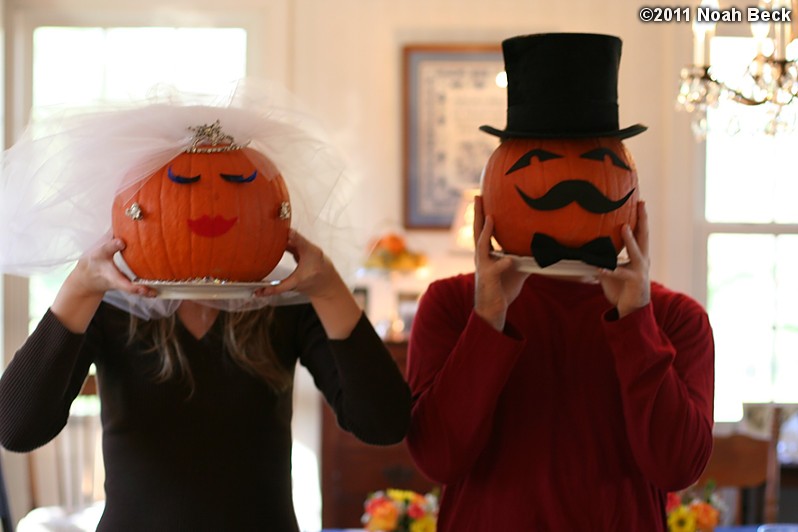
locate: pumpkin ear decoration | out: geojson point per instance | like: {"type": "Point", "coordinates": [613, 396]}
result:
{"type": "Point", "coordinates": [213, 230]}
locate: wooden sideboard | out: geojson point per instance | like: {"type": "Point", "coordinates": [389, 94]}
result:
{"type": "Point", "coordinates": [350, 469]}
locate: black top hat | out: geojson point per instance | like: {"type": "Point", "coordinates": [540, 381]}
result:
{"type": "Point", "coordinates": [562, 85]}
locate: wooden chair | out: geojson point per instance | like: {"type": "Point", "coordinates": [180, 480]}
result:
{"type": "Point", "coordinates": [750, 464]}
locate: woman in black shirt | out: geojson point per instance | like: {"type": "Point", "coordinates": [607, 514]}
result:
{"type": "Point", "coordinates": [196, 407]}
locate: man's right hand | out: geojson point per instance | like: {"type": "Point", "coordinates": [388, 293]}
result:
{"type": "Point", "coordinates": [498, 283]}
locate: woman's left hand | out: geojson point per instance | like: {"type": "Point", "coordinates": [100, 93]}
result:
{"type": "Point", "coordinates": [314, 276]}
{"type": "Point", "coordinates": [628, 287]}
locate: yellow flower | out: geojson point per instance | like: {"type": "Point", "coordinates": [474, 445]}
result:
{"type": "Point", "coordinates": [400, 495]}
{"type": "Point", "coordinates": [424, 524]}
{"type": "Point", "coordinates": [682, 520]}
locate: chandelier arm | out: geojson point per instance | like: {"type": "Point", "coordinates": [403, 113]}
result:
{"type": "Point", "coordinates": [735, 95]}
{"type": "Point", "coordinates": [738, 97]}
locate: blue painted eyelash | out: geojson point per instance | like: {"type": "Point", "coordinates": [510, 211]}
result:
{"type": "Point", "coordinates": [239, 178]}
{"type": "Point", "coordinates": [180, 179]}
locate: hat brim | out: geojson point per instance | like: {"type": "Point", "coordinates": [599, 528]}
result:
{"type": "Point", "coordinates": [625, 133]}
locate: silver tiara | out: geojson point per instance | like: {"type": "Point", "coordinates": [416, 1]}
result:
{"type": "Point", "coordinates": [211, 139]}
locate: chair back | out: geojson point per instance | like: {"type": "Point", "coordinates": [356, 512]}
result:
{"type": "Point", "coordinates": [744, 462]}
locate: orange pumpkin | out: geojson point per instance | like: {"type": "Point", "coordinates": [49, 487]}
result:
{"type": "Point", "coordinates": [222, 215]}
{"type": "Point", "coordinates": [572, 190]}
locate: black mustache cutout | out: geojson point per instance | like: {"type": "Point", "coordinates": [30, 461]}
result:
{"type": "Point", "coordinates": [574, 190]}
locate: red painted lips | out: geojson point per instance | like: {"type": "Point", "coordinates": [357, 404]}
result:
{"type": "Point", "coordinates": [211, 227]}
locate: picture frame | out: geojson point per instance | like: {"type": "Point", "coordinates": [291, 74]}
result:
{"type": "Point", "coordinates": [449, 91]}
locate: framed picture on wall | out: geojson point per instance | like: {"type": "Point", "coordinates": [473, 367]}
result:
{"type": "Point", "coordinates": [449, 91]}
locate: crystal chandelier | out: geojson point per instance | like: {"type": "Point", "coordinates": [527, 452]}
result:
{"type": "Point", "coordinates": [770, 81]}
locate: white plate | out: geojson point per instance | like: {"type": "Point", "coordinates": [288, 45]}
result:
{"type": "Point", "coordinates": [567, 268]}
{"type": "Point", "coordinates": [205, 290]}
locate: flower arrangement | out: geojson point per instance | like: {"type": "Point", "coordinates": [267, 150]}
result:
{"type": "Point", "coordinates": [694, 510]}
{"type": "Point", "coordinates": [390, 252]}
{"type": "Point", "coordinates": [394, 510]}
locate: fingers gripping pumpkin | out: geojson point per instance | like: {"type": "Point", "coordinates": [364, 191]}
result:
{"type": "Point", "coordinates": [561, 198]}
{"type": "Point", "coordinates": [216, 211]}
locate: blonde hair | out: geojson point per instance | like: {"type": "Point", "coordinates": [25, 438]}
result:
{"type": "Point", "coordinates": [246, 340]}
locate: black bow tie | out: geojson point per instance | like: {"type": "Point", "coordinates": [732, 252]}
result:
{"type": "Point", "coordinates": [599, 252]}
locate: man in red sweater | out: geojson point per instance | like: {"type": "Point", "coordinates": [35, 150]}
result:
{"type": "Point", "coordinates": [559, 403]}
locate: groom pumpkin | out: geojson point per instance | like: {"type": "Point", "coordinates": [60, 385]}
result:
{"type": "Point", "coordinates": [545, 400]}
{"type": "Point", "coordinates": [561, 173]}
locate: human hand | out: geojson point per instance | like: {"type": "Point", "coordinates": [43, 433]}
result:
{"type": "Point", "coordinates": [497, 281]}
{"type": "Point", "coordinates": [85, 286]}
{"type": "Point", "coordinates": [314, 276]}
{"type": "Point", "coordinates": [628, 287]}
{"type": "Point", "coordinates": [96, 273]}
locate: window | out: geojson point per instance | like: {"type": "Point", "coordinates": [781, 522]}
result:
{"type": "Point", "coordinates": [751, 231]}
{"type": "Point", "coordinates": [80, 65]}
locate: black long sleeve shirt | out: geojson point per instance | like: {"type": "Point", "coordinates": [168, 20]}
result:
{"type": "Point", "coordinates": [219, 459]}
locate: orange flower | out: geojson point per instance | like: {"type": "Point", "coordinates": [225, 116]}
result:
{"type": "Point", "coordinates": [400, 510]}
{"type": "Point", "coordinates": [375, 501]}
{"type": "Point", "coordinates": [706, 516]}
{"type": "Point", "coordinates": [383, 515]}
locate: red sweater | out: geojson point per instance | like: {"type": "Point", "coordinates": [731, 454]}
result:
{"type": "Point", "coordinates": [570, 419]}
